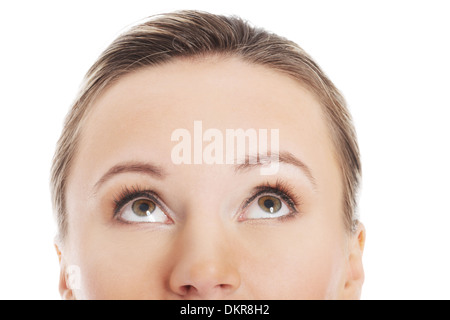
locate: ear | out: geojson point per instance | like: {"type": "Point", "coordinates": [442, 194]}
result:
{"type": "Point", "coordinates": [355, 271]}
{"type": "Point", "coordinates": [64, 290]}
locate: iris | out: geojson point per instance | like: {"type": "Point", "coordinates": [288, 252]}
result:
{"type": "Point", "coordinates": [269, 204]}
{"type": "Point", "coordinates": [143, 207]}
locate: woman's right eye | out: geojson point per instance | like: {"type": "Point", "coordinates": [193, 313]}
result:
{"type": "Point", "coordinates": [143, 210]}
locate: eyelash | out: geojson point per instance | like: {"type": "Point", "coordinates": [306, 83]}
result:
{"type": "Point", "coordinates": [280, 188]}
{"type": "Point", "coordinates": [127, 195]}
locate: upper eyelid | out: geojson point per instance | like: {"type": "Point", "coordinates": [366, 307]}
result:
{"type": "Point", "coordinates": [136, 193]}
{"type": "Point", "coordinates": [268, 190]}
{"type": "Point", "coordinates": [149, 194]}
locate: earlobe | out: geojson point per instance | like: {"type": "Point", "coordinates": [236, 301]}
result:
{"type": "Point", "coordinates": [355, 271]}
{"type": "Point", "coordinates": [64, 290]}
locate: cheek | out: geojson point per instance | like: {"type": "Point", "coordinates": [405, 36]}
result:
{"type": "Point", "coordinates": [297, 266]}
{"type": "Point", "coordinates": [120, 267]}
{"type": "Point", "coordinates": [114, 262]}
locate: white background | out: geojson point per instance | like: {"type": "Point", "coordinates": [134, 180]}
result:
{"type": "Point", "coordinates": [389, 58]}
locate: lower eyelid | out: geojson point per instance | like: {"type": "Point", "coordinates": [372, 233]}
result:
{"type": "Point", "coordinates": [286, 200]}
{"type": "Point", "coordinates": [120, 204]}
{"type": "Point", "coordinates": [293, 211]}
{"type": "Point", "coordinates": [135, 193]}
{"type": "Point", "coordinates": [288, 216]}
{"type": "Point", "coordinates": [128, 205]}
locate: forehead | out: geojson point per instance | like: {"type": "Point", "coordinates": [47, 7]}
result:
{"type": "Point", "coordinates": [221, 92]}
{"type": "Point", "coordinates": [134, 118]}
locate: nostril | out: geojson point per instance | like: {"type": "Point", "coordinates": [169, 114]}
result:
{"type": "Point", "coordinates": [192, 290]}
{"type": "Point", "coordinates": [203, 277]}
{"type": "Point", "coordinates": [184, 290]}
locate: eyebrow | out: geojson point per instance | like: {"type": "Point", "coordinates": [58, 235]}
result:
{"type": "Point", "coordinates": [127, 167]}
{"type": "Point", "coordinates": [258, 160]}
{"type": "Point", "coordinates": [251, 162]}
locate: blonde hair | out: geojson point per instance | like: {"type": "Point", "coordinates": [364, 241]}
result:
{"type": "Point", "coordinates": [165, 37]}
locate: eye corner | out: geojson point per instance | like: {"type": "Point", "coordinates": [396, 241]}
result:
{"type": "Point", "coordinates": [252, 210]}
{"type": "Point", "coordinates": [141, 207]}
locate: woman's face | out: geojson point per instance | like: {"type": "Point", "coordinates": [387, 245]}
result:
{"type": "Point", "coordinates": [142, 225]}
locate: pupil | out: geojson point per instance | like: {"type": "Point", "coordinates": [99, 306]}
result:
{"type": "Point", "coordinates": [144, 207]}
{"type": "Point", "coordinates": [269, 203]}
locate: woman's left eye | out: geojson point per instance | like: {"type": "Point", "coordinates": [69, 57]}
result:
{"type": "Point", "coordinates": [266, 207]}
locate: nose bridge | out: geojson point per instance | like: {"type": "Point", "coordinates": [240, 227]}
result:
{"type": "Point", "coordinates": [204, 264]}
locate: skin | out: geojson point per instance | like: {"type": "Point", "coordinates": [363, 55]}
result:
{"type": "Point", "coordinates": [209, 249]}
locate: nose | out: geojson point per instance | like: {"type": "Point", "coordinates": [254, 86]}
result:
{"type": "Point", "coordinates": [204, 266]}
